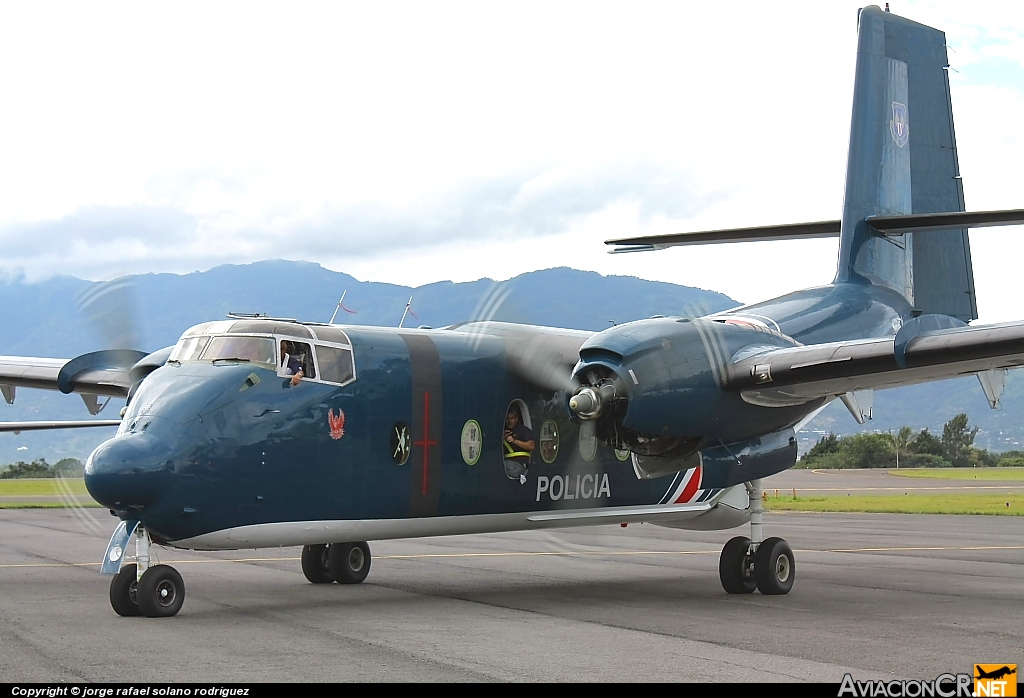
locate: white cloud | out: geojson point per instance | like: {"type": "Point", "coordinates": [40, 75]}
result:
{"type": "Point", "coordinates": [408, 142]}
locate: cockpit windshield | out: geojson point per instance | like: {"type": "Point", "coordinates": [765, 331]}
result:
{"type": "Point", "coordinates": [189, 349]}
{"type": "Point", "coordinates": [259, 350]}
{"type": "Point", "coordinates": [320, 354]}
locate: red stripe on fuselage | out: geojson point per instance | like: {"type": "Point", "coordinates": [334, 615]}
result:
{"type": "Point", "coordinates": [426, 443]}
{"type": "Point", "coordinates": [691, 487]}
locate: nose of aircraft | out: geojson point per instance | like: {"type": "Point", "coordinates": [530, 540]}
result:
{"type": "Point", "coordinates": [129, 471]}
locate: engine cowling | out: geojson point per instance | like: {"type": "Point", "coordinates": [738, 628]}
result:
{"type": "Point", "coordinates": [654, 386]}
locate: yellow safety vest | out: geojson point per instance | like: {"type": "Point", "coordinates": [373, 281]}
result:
{"type": "Point", "coordinates": [512, 453]}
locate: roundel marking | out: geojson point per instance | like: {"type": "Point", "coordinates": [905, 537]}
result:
{"type": "Point", "coordinates": [401, 443]}
{"type": "Point", "coordinates": [472, 441]}
{"type": "Point", "coordinates": [549, 441]}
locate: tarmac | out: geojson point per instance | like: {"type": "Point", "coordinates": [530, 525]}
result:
{"type": "Point", "coordinates": [876, 595]}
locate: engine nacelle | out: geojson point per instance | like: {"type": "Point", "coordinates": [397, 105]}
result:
{"type": "Point", "coordinates": [729, 464]}
{"type": "Point", "coordinates": [654, 386]}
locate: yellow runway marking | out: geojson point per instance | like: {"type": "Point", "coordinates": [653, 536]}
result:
{"type": "Point", "coordinates": [580, 553]}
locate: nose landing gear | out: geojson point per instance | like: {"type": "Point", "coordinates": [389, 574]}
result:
{"type": "Point", "coordinates": [141, 590]}
{"type": "Point", "coordinates": [747, 563]}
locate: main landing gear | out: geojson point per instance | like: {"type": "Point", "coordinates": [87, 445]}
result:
{"type": "Point", "coordinates": [142, 590]}
{"type": "Point", "coordinates": [344, 563]}
{"type": "Point", "coordinates": [749, 563]}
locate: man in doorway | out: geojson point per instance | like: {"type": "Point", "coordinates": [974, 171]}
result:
{"type": "Point", "coordinates": [519, 444]}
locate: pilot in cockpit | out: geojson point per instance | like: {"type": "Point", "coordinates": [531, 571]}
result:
{"type": "Point", "coordinates": [290, 363]}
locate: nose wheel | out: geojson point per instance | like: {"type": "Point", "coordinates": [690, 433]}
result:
{"type": "Point", "coordinates": [749, 563]}
{"type": "Point", "coordinates": [139, 589]}
{"type": "Point", "coordinates": [161, 592]}
{"type": "Point", "coordinates": [124, 592]}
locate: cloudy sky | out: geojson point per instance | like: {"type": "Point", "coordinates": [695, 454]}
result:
{"type": "Point", "coordinates": [416, 142]}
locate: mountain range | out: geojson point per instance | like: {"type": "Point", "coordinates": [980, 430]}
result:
{"type": "Point", "coordinates": [66, 316]}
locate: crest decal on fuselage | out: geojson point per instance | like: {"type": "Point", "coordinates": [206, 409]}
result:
{"type": "Point", "coordinates": [899, 127]}
{"type": "Point", "coordinates": [336, 424]}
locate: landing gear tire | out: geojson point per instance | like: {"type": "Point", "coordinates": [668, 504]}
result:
{"type": "Point", "coordinates": [349, 563]}
{"type": "Point", "coordinates": [161, 592]}
{"type": "Point", "coordinates": [315, 564]}
{"type": "Point", "coordinates": [774, 567]}
{"type": "Point", "coordinates": [736, 567]}
{"type": "Point", "coordinates": [123, 592]}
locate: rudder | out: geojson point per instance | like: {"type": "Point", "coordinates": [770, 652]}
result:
{"type": "Point", "coordinates": [903, 160]}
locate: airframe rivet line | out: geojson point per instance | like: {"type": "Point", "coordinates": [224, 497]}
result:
{"type": "Point", "coordinates": [578, 553]}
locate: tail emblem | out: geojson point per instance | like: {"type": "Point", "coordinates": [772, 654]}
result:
{"type": "Point", "coordinates": [899, 126]}
{"type": "Point", "coordinates": [337, 424]}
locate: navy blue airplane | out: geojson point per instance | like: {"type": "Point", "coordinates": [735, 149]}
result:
{"type": "Point", "coordinates": [394, 433]}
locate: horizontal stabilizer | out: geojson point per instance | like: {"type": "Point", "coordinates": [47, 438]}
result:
{"type": "Point", "coordinates": [882, 225]}
{"type": "Point", "coordinates": [791, 231]}
{"type": "Point", "coordinates": [952, 220]}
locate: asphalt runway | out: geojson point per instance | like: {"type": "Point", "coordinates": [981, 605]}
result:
{"type": "Point", "coordinates": [877, 595]}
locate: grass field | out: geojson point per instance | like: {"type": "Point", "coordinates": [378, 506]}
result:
{"type": "Point", "coordinates": [969, 503]}
{"type": "Point", "coordinates": [41, 486]}
{"type": "Point", "coordinates": [43, 493]}
{"type": "Point", "coordinates": [962, 473]}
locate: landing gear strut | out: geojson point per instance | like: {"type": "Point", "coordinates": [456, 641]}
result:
{"type": "Point", "coordinates": [747, 563]}
{"type": "Point", "coordinates": [139, 589]}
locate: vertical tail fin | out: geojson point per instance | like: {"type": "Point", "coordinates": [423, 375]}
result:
{"type": "Point", "coordinates": [903, 160]}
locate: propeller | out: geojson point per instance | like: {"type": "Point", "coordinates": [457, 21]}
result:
{"type": "Point", "coordinates": [75, 504]}
{"type": "Point", "coordinates": [543, 358]}
{"type": "Point", "coordinates": [110, 309]}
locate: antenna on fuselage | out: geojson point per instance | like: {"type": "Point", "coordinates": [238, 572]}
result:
{"type": "Point", "coordinates": [341, 305]}
{"type": "Point", "coordinates": [408, 311]}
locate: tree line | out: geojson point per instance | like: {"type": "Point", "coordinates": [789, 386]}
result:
{"type": "Point", "coordinates": [65, 467]}
{"type": "Point", "coordinates": [953, 449]}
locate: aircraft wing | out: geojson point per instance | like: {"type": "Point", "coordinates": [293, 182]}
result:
{"type": "Point", "coordinates": [796, 375]}
{"type": "Point", "coordinates": [95, 375]}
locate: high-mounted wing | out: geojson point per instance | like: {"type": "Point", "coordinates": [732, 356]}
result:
{"type": "Point", "coordinates": [915, 354]}
{"type": "Point", "coordinates": [94, 375]}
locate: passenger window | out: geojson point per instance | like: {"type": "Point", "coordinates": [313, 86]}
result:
{"type": "Point", "coordinates": [335, 364]}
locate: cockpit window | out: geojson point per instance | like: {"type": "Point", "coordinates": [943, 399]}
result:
{"type": "Point", "coordinates": [335, 364]}
{"type": "Point", "coordinates": [189, 349]}
{"type": "Point", "coordinates": [259, 350]}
